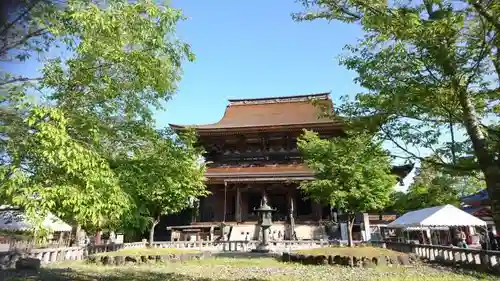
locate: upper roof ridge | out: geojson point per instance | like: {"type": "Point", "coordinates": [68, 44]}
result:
{"type": "Point", "coordinates": [281, 99]}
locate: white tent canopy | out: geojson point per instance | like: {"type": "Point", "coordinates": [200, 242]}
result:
{"type": "Point", "coordinates": [12, 218]}
{"type": "Point", "coordinates": [414, 228]}
{"type": "Point", "coordinates": [440, 216]}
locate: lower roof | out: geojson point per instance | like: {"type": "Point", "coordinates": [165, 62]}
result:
{"type": "Point", "coordinates": [476, 199]}
{"type": "Point", "coordinates": [478, 211]}
{"type": "Point", "coordinates": [279, 170]}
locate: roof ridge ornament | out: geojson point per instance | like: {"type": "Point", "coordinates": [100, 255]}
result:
{"type": "Point", "coordinates": [282, 99]}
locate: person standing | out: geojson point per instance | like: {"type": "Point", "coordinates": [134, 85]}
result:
{"type": "Point", "coordinates": [493, 241]}
{"type": "Point", "coordinates": [463, 239]}
{"type": "Point", "coordinates": [483, 240]}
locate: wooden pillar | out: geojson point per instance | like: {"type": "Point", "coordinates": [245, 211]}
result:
{"type": "Point", "coordinates": [291, 216]}
{"type": "Point", "coordinates": [225, 202]}
{"type": "Point", "coordinates": [238, 204]}
{"type": "Point", "coordinates": [290, 198]}
{"type": "Point", "coordinates": [244, 202]}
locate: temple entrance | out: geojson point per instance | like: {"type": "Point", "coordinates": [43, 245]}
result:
{"type": "Point", "coordinates": [278, 201]}
{"type": "Point", "coordinates": [304, 206]}
{"type": "Point", "coordinates": [254, 198]}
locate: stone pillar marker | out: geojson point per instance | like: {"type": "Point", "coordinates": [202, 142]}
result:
{"type": "Point", "coordinates": [265, 222]}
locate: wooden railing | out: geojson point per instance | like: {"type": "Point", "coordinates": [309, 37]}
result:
{"type": "Point", "coordinates": [135, 245]}
{"type": "Point", "coordinates": [213, 246]}
{"type": "Point", "coordinates": [10, 245]}
{"type": "Point", "coordinates": [245, 246]}
{"type": "Point", "coordinates": [51, 255]}
{"type": "Point", "coordinates": [45, 255]}
{"type": "Point", "coordinates": [258, 157]}
{"type": "Point", "coordinates": [474, 258]}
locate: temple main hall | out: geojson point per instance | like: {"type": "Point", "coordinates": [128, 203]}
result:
{"type": "Point", "coordinates": [253, 151]}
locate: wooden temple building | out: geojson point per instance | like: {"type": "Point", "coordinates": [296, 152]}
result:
{"type": "Point", "coordinates": [253, 150]}
{"type": "Point", "coordinates": [479, 205]}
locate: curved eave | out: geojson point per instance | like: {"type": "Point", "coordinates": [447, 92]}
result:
{"type": "Point", "coordinates": [261, 174]}
{"type": "Point", "coordinates": [305, 174]}
{"type": "Point", "coordinates": [275, 128]}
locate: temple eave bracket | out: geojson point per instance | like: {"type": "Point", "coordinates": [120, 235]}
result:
{"type": "Point", "coordinates": [261, 179]}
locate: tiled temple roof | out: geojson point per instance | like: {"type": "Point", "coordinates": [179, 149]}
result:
{"type": "Point", "coordinates": [271, 112]}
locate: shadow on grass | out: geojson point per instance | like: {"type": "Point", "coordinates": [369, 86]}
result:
{"type": "Point", "coordinates": [50, 274]}
{"type": "Point", "coordinates": [480, 275]}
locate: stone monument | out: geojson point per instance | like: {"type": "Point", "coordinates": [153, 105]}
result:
{"type": "Point", "coordinates": [265, 221]}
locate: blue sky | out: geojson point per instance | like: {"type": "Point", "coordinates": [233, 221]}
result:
{"type": "Point", "coordinates": [250, 49]}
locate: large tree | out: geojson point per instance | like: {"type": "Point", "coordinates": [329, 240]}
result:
{"type": "Point", "coordinates": [431, 70]}
{"type": "Point", "coordinates": [105, 66]}
{"type": "Point", "coordinates": [352, 174]}
{"type": "Point", "coordinates": [163, 176]}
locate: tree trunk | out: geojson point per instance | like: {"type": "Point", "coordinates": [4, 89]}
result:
{"type": "Point", "coordinates": [350, 222]}
{"type": "Point", "coordinates": [78, 236]}
{"type": "Point", "coordinates": [152, 231]}
{"type": "Point", "coordinates": [97, 240]}
{"type": "Point", "coordinates": [486, 158]}
{"type": "Point", "coordinates": [492, 177]}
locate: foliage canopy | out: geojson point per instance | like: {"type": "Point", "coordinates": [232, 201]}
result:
{"type": "Point", "coordinates": [80, 147]}
{"type": "Point", "coordinates": [432, 187]}
{"type": "Point", "coordinates": [163, 177]}
{"type": "Point", "coordinates": [352, 174]}
{"type": "Point", "coordinates": [431, 70]}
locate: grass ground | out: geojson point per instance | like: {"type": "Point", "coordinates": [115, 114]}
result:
{"type": "Point", "coordinates": [348, 251]}
{"type": "Point", "coordinates": [225, 269]}
{"type": "Point", "coordinates": [149, 251]}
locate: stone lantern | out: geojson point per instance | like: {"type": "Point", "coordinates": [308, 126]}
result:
{"type": "Point", "coordinates": [265, 221]}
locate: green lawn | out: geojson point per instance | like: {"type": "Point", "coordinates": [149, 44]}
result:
{"type": "Point", "coordinates": [149, 252]}
{"type": "Point", "coordinates": [225, 269]}
{"type": "Point", "coordinates": [369, 252]}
